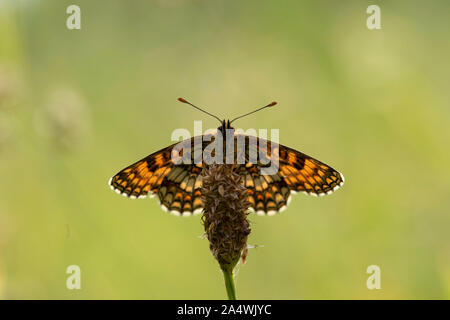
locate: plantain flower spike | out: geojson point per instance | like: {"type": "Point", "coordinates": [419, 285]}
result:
{"type": "Point", "coordinates": [225, 214]}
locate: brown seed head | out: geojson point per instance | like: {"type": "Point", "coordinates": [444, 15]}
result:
{"type": "Point", "coordinates": [225, 214]}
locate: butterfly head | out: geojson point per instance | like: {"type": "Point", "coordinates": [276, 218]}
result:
{"type": "Point", "coordinates": [226, 124]}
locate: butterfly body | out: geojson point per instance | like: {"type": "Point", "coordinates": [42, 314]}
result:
{"type": "Point", "coordinates": [226, 125]}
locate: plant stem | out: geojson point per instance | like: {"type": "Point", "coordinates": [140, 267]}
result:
{"type": "Point", "coordinates": [229, 283]}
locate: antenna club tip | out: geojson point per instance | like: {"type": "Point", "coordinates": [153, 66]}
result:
{"type": "Point", "coordinates": [272, 104]}
{"type": "Point", "coordinates": [182, 100]}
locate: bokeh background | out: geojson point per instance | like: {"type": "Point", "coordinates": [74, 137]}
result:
{"type": "Point", "coordinates": [76, 106]}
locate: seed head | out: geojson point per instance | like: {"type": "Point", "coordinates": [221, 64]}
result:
{"type": "Point", "coordinates": [225, 214]}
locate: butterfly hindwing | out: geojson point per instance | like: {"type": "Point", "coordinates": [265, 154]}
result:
{"type": "Point", "coordinates": [180, 192]}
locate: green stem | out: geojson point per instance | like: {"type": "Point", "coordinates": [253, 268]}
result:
{"type": "Point", "coordinates": [229, 283]}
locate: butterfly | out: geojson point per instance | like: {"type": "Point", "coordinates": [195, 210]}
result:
{"type": "Point", "coordinates": [178, 185]}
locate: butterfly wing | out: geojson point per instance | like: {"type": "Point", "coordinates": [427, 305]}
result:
{"type": "Point", "coordinates": [297, 172]}
{"type": "Point", "coordinates": [303, 173]}
{"type": "Point", "coordinates": [144, 176]}
{"type": "Point", "coordinates": [178, 186]}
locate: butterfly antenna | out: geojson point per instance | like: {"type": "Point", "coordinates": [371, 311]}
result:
{"type": "Point", "coordinates": [269, 105]}
{"type": "Point", "coordinates": [187, 102]}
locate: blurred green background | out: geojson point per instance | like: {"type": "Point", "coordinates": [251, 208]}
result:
{"type": "Point", "coordinates": [76, 106]}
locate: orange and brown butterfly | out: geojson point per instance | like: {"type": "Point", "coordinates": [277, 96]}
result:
{"type": "Point", "coordinates": [178, 185]}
